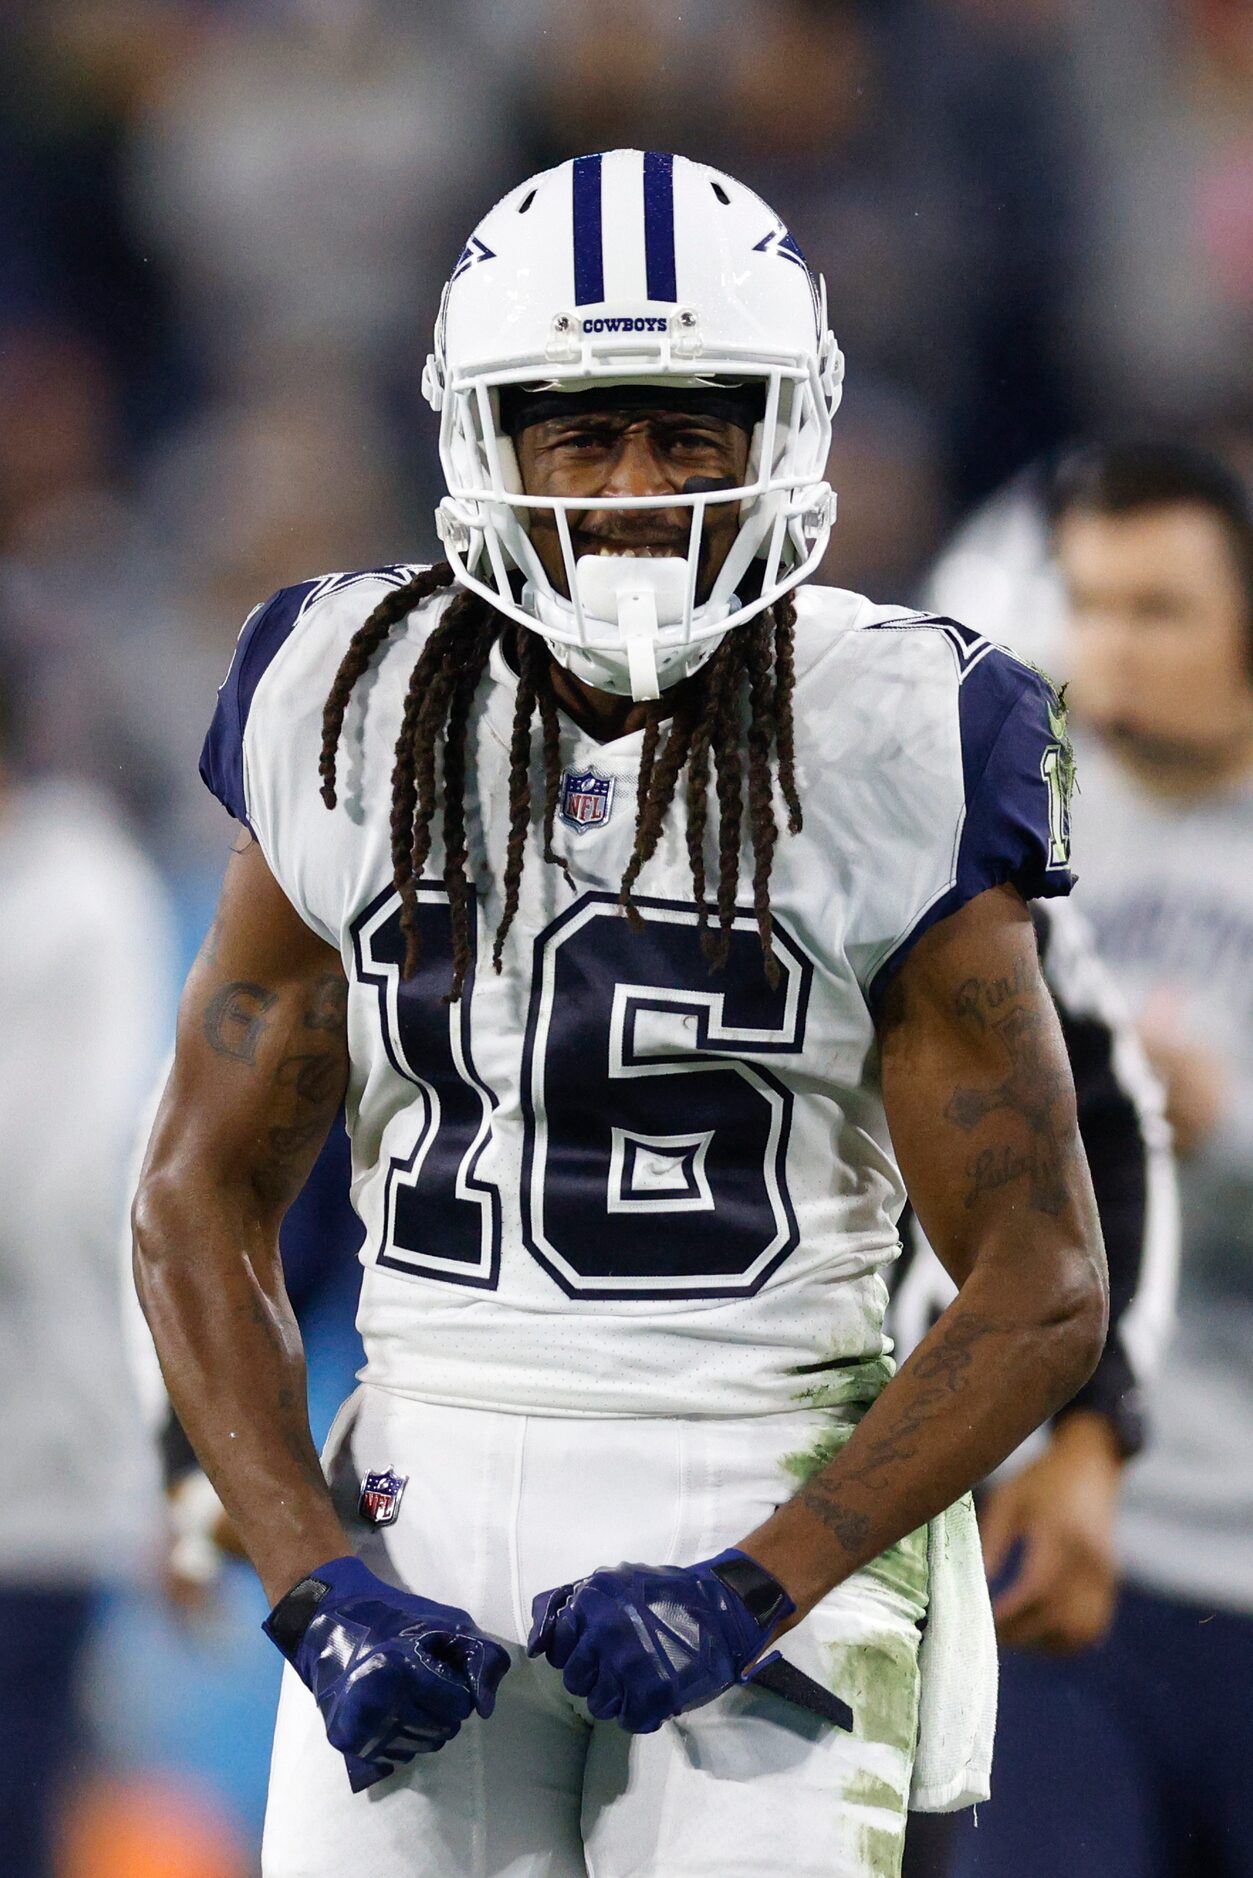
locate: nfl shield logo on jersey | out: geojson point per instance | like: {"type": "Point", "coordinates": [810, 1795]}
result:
{"type": "Point", "coordinates": [380, 1497]}
{"type": "Point", "coordinates": [585, 798]}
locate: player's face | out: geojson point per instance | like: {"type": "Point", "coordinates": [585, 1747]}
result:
{"type": "Point", "coordinates": [1158, 632]}
{"type": "Point", "coordinates": [632, 453]}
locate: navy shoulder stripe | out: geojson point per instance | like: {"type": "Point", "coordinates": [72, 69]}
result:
{"type": "Point", "coordinates": [1015, 775]}
{"type": "Point", "coordinates": [970, 646]}
{"type": "Point", "coordinates": [265, 632]}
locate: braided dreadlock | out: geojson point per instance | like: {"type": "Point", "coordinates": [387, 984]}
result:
{"type": "Point", "coordinates": [736, 710]}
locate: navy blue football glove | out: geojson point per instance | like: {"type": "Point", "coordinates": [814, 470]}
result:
{"type": "Point", "coordinates": [393, 1674]}
{"type": "Point", "coordinates": [643, 1643]}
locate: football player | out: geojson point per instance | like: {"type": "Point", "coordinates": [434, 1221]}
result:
{"type": "Point", "coordinates": [658, 918]}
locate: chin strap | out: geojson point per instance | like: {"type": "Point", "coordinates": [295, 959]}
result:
{"type": "Point", "coordinates": [634, 598]}
{"type": "Point", "coordinates": [637, 622]}
{"type": "Point", "coordinates": [639, 594]}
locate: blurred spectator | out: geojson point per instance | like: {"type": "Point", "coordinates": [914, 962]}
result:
{"type": "Point", "coordinates": [998, 574]}
{"type": "Point", "coordinates": [293, 471]}
{"type": "Point", "coordinates": [125, 597]}
{"type": "Point", "coordinates": [307, 168]}
{"type": "Point", "coordinates": [596, 76]}
{"type": "Point", "coordinates": [78, 566]}
{"type": "Point", "coordinates": [925, 156]}
{"type": "Point", "coordinates": [72, 74]}
{"type": "Point", "coordinates": [1149, 1739]}
{"type": "Point", "coordinates": [885, 465]}
{"type": "Point", "coordinates": [83, 962]}
{"type": "Point", "coordinates": [58, 425]}
{"type": "Point", "coordinates": [1167, 309]}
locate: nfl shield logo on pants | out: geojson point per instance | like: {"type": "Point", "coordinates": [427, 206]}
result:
{"type": "Point", "coordinates": [585, 798]}
{"type": "Point", "coordinates": [380, 1497]}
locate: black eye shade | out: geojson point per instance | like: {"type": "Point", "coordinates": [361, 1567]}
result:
{"type": "Point", "coordinates": [740, 404]}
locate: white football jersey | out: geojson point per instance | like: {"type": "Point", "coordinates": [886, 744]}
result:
{"type": "Point", "coordinates": [609, 1181]}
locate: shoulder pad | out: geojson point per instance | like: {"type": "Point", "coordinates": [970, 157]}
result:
{"type": "Point", "coordinates": [1017, 773]}
{"type": "Point", "coordinates": [263, 635]}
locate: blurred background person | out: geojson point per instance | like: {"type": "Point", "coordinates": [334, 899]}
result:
{"type": "Point", "coordinates": [1149, 1737]}
{"type": "Point", "coordinates": [1164, 302]}
{"type": "Point", "coordinates": [85, 963]}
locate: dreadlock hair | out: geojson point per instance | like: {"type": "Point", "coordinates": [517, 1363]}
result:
{"type": "Point", "coordinates": [732, 716]}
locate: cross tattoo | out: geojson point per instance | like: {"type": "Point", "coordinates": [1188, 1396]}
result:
{"type": "Point", "coordinates": [1029, 1090]}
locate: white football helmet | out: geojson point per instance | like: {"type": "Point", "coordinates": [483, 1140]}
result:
{"type": "Point", "coordinates": [641, 268]}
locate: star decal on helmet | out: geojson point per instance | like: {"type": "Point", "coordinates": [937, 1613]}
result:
{"type": "Point", "coordinates": [474, 250]}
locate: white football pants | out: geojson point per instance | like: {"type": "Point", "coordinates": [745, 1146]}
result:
{"type": "Point", "coordinates": [500, 1507]}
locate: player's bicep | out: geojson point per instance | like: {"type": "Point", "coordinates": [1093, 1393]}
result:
{"type": "Point", "coordinates": [978, 1090]}
{"type": "Point", "coordinates": [261, 1063]}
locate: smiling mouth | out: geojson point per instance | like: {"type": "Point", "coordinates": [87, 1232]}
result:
{"type": "Point", "coordinates": [668, 543]}
{"type": "Point", "coordinates": [668, 551]}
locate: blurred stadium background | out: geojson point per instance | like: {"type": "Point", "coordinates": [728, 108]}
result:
{"type": "Point", "coordinates": [224, 225]}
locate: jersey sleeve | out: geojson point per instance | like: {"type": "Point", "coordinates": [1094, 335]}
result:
{"type": "Point", "coordinates": [264, 632]}
{"type": "Point", "coordinates": [1017, 771]}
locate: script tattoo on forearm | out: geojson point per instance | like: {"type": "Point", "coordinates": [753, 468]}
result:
{"type": "Point", "coordinates": [234, 1020]}
{"type": "Point", "coordinates": [1035, 1090]}
{"type": "Point", "coordinates": [822, 1499]}
{"type": "Point", "coordinates": [936, 1376]}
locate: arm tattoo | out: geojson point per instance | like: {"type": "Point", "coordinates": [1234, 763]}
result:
{"type": "Point", "coordinates": [1032, 1090]}
{"type": "Point", "coordinates": [938, 1376]}
{"type": "Point", "coordinates": [235, 1019]}
{"type": "Point", "coordinates": [312, 1077]}
{"type": "Point", "coordinates": [289, 1143]}
{"type": "Point", "coordinates": [981, 998]}
{"type": "Point", "coordinates": [307, 1087]}
{"type": "Point", "coordinates": [328, 1005]}
{"type": "Point", "coordinates": [822, 1498]}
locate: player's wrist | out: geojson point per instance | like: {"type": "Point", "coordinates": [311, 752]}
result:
{"type": "Point", "coordinates": [282, 1565]}
{"type": "Point", "coordinates": [758, 1590]}
{"type": "Point", "coordinates": [291, 1615]}
{"type": "Point", "coordinates": [799, 1552]}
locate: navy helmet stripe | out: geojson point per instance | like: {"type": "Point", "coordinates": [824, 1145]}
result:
{"type": "Point", "coordinates": [659, 224]}
{"type": "Point", "coordinates": [589, 251]}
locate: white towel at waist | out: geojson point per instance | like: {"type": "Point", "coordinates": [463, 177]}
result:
{"type": "Point", "coordinates": [957, 1660]}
